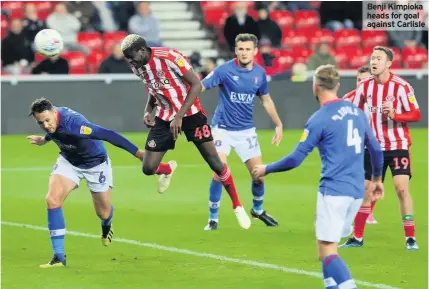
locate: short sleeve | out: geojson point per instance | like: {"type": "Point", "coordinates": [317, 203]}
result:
{"type": "Point", "coordinates": [178, 63]}
{"type": "Point", "coordinates": [214, 78]}
{"type": "Point", "coordinates": [263, 89]}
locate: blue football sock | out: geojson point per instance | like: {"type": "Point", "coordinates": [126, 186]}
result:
{"type": "Point", "coordinates": [214, 203]}
{"type": "Point", "coordinates": [108, 221]}
{"type": "Point", "coordinates": [337, 274]}
{"type": "Point", "coordinates": [258, 190]}
{"type": "Point", "coordinates": [57, 230]}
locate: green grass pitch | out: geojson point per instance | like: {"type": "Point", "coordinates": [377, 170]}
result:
{"type": "Point", "coordinates": [176, 219]}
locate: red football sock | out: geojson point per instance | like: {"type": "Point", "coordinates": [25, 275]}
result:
{"type": "Point", "coordinates": [409, 226]}
{"type": "Point", "coordinates": [163, 169]}
{"type": "Point", "coordinates": [372, 206]}
{"type": "Point", "coordinates": [360, 221]}
{"type": "Point", "coordinates": [228, 183]}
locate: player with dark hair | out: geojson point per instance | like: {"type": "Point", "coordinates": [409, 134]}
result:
{"type": "Point", "coordinates": [393, 105]}
{"type": "Point", "coordinates": [241, 80]}
{"type": "Point", "coordinates": [340, 131]}
{"type": "Point", "coordinates": [82, 156]}
{"type": "Point", "coordinates": [363, 72]}
{"type": "Point", "coordinates": [173, 89]}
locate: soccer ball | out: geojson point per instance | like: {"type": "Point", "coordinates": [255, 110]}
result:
{"type": "Point", "coordinates": [48, 42]}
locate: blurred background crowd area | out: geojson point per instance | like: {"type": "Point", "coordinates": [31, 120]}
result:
{"type": "Point", "coordinates": [294, 36]}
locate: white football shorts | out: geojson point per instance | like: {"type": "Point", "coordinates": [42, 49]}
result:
{"type": "Point", "coordinates": [335, 216]}
{"type": "Point", "coordinates": [98, 179]}
{"type": "Point", "coordinates": [244, 142]}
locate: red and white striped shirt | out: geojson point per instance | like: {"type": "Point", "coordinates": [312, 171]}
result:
{"type": "Point", "coordinates": [162, 76]}
{"type": "Point", "coordinates": [392, 134]}
{"type": "Point", "coordinates": [350, 96]}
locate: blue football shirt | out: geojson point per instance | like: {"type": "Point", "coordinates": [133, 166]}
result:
{"type": "Point", "coordinates": [72, 137]}
{"type": "Point", "coordinates": [238, 90]}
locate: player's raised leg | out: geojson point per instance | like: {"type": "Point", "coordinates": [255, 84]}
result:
{"type": "Point", "coordinates": [208, 152]}
{"type": "Point", "coordinates": [214, 197]}
{"type": "Point", "coordinates": [401, 183]}
{"type": "Point", "coordinates": [59, 188]}
{"type": "Point", "coordinates": [258, 191]}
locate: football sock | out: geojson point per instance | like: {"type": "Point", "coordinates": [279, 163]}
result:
{"type": "Point", "coordinates": [360, 221]}
{"type": "Point", "coordinates": [163, 169]}
{"type": "Point", "coordinates": [258, 190]}
{"type": "Point", "coordinates": [108, 221]}
{"type": "Point", "coordinates": [214, 201]}
{"type": "Point", "coordinates": [372, 206]}
{"type": "Point", "coordinates": [409, 226]}
{"type": "Point", "coordinates": [336, 274]}
{"type": "Point", "coordinates": [228, 184]}
{"type": "Point", "coordinates": [57, 230]}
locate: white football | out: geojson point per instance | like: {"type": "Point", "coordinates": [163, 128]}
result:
{"type": "Point", "coordinates": [48, 42]}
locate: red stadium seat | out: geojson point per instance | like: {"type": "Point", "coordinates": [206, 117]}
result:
{"type": "Point", "coordinates": [112, 37]}
{"type": "Point", "coordinates": [414, 58]}
{"type": "Point", "coordinates": [283, 18]}
{"type": "Point", "coordinates": [341, 58]}
{"type": "Point", "coordinates": [307, 18]}
{"type": "Point", "coordinates": [17, 15]}
{"type": "Point", "coordinates": [212, 5]}
{"type": "Point", "coordinates": [12, 6]}
{"type": "Point", "coordinates": [254, 14]}
{"type": "Point", "coordinates": [92, 40]}
{"type": "Point", "coordinates": [215, 18]}
{"type": "Point", "coordinates": [4, 26]}
{"type": "Point", "coordinates": [358, 59]}
{"type": "Point", "coordinates": [301, 55]}
{"type": "Point", "coordinates": [373, 38]}
{"type": "Point", "coordinates": [43, 6]}
{"type": "Point", "coordinates": [320, 35]}
{"type": "Point", "coordinates": [295, 38]}
{"type": "Point", "coordinates": [347, 38]}
{"type": "Point", "coordinates": [77, 62]}
{"type": "Point", "coordinates": [43, 15]}
{"type": "Point", "coordinates": [94, 60]}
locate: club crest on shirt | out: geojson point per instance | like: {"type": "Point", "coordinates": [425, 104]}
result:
{"type": "Point", "coordinates": [180, 61]}
{"type": "Point", "coordinates": [85, 130]}
{"type": "Point", "coordinates": [390, 98]}
{"type": "Point", "coordinates": [304, 135]}
{"type": "Point", "coordinates": [411, 97]}
{"type": "Point", "coordinates": [255, 80]}
{"type": "Point", "coordinates": [160, 73]}
{"type": "Point", "coordinates": [151, 144]}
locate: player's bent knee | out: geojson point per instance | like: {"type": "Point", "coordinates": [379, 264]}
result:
{"type": "Point", "coordinates": [402, 192]}
{"type": "Point", "coordinates": [54, 199]}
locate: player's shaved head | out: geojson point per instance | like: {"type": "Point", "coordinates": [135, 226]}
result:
{"type": "Point", "coordinates": [327, 77]}
{"type": "Point", "coordinates": [44, 113]}
{"type": "Point", "coordinates": [40, 105]}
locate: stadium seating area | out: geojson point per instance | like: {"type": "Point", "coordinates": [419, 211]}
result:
{"type": "Point", "coordinates": [301, 31]}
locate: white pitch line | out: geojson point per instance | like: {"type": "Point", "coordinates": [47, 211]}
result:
{"type": "Point", "coordinates": [203, 255]}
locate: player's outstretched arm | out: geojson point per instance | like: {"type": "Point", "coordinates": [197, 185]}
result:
{"type": "Point", "coordinates": [213, 79]}
{"type": "Point", "coordinates": [309, 140]}
{"type": "Point", "coordinates": [93, 131]}
{"type": "Point", "coordinates": [39, 140]}
{"type": "Point", "coordinates": [271, 110]}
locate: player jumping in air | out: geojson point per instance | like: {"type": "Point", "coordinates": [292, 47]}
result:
{"type": "Point", "coordinates": [393, 105]}
{"type": "Point", "coordinates": [82, 156]}
{"type": "Point", "coordinates": [363, 72]}
{"type": "Point", "coordinates": [340, 130]}
{"type": "Point", "coordinates": [173, 88]}
{"type": "Point", "coordinates": [240, 80]}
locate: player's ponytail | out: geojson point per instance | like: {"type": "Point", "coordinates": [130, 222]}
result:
{"type": "Point", "coordinates": [327, 77]}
